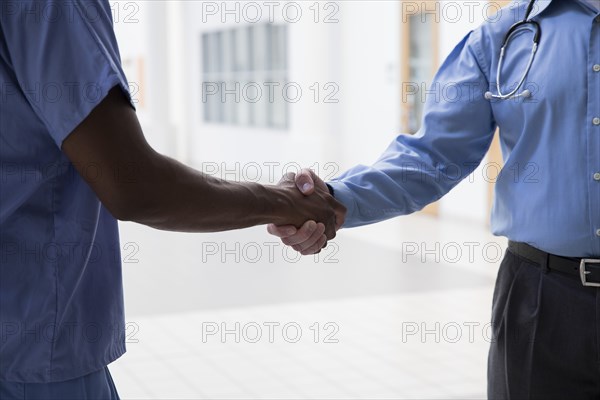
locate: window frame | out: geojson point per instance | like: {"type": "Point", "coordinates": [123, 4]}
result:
{"type": "Point", "coordinates": [246, 114]}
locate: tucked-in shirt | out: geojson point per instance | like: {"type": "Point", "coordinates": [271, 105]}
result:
{"type": "Point", "coordinates": [61, 301]}
{"type": "Point", "coordinates": [548, 193]}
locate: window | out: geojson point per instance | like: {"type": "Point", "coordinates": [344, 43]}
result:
{"type": "Point", "coordinates": [244, 72]}
{"type": "Point", "coordinates": [420, 60]}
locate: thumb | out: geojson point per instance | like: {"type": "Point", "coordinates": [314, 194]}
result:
{"type": "Point", "coordinates": [305, 182]}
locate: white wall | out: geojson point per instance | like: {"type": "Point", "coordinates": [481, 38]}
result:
{"type": "Point", "coordinates": [142, 33]}
{"type": "Point", "coordinates": [370, 79]}
{"type": "Point", "coordinates": [311, 51]}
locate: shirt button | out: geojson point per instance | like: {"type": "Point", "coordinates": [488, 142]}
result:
{"type": "Point", "coordinates": [597, 176]}
{"type": "Point", "coordinates": [597, 232]}
{"type": "Point", "coordinates": [596, 67]}
{"type": "Point", "coordinates": [596, 121]}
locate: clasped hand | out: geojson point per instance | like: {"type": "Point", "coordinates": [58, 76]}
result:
{"type": "Point", "coordinates": [311, 234]}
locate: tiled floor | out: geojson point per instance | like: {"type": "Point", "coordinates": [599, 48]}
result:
{"type": "Point", "coordinates": [335, 331]}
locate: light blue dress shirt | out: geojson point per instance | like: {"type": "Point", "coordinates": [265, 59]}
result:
{"type": "Point", "coordinates": [61, 300]}
{"type": "Point", "coordinates": [548, 193]}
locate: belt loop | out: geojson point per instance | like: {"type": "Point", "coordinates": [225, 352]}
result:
{"type": "Point", "coordinates": [544, 260]}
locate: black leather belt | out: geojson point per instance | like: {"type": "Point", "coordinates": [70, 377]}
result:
{"type": "Point", "coordinates": [587, 269]}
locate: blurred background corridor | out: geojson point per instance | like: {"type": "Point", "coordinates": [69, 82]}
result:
{"type": "Point", "coordinates": [249, 90]}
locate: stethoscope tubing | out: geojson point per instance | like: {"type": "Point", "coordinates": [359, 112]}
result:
{"type": "Point", "coordinates": [536, 39]}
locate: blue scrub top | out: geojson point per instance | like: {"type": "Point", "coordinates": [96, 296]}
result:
{"type": "Point", "coordinates": [61, 300]}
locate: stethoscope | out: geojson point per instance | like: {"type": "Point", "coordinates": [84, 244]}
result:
{"type": "Point", "coordinates": [535, 27]}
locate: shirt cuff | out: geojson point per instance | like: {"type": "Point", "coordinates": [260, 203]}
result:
{"type": "Point", "coordinates": [344, 196]}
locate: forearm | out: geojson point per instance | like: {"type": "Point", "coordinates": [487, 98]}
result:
{"type": "Point", "coordinates": [372, 195]}
{"type": "Point", "coordinates": [168, 195]}
{"type": "Point", "coordinates": [413, 172]}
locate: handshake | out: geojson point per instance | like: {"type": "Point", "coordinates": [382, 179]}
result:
{"type": "Point", "coordinates": [314, 218]}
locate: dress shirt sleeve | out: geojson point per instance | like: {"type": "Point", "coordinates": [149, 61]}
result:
{"type": "Point", "coordinates": [64, 56]}
{"type": "Point", "coordinates": [415, 170]}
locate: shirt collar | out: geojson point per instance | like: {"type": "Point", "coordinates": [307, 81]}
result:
{"type": "Point", "coordinates": [540, 5]}
{"type": "Point", "coordinates": [592, 4]}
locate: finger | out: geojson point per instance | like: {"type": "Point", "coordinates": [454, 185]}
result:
{"type": "Point", "coordinates": [306, 235]}
{"type": "Point", "coordinates": [317, 247]}
{"type": "Point", "coordinates": [314, 238]}
{"type": "Point", "coordinates": [302, 235]}
{"type": "Point", "coordinates": [282, 231]}
{"type": "Point", "coordinates": [287, 177]}
{"type": "Point", "coordinates": [330, 230]}
{"type": "Point", "coordinates": [305, 182]}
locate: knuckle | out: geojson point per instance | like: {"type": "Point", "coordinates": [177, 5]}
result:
{"type": "Point", "coordinates": [287, 177]}
{"type": "Point", "coordinates": [302, 246]}
{"type": "Point", "coordinates": [288, 241]}
{"type": "Point", "coordinates": [308, 232]}
{"type": "Point", "coordinates": [321, 228]}
{"type": "Point", "coordinates": [273, 230]}
{"type": "Point", "coordinates": [304, 236]}
{"type": "Point", "coordinates": [308, 251]}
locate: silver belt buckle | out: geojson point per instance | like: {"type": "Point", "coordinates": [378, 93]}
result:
{"type": "Point", "coordinates": [583, 272]}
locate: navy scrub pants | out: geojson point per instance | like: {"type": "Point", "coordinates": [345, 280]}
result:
{"type": "Point", "coordinates": [97, 386]}
{"type": "Point", "coordinates": [546, 334]}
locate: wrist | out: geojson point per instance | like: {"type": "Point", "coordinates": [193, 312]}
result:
{"type": "Point", "coordinates": [277, 205]}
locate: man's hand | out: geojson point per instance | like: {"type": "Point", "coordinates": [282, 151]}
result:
{"type": "Point", "coordinates": [311, 237]}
